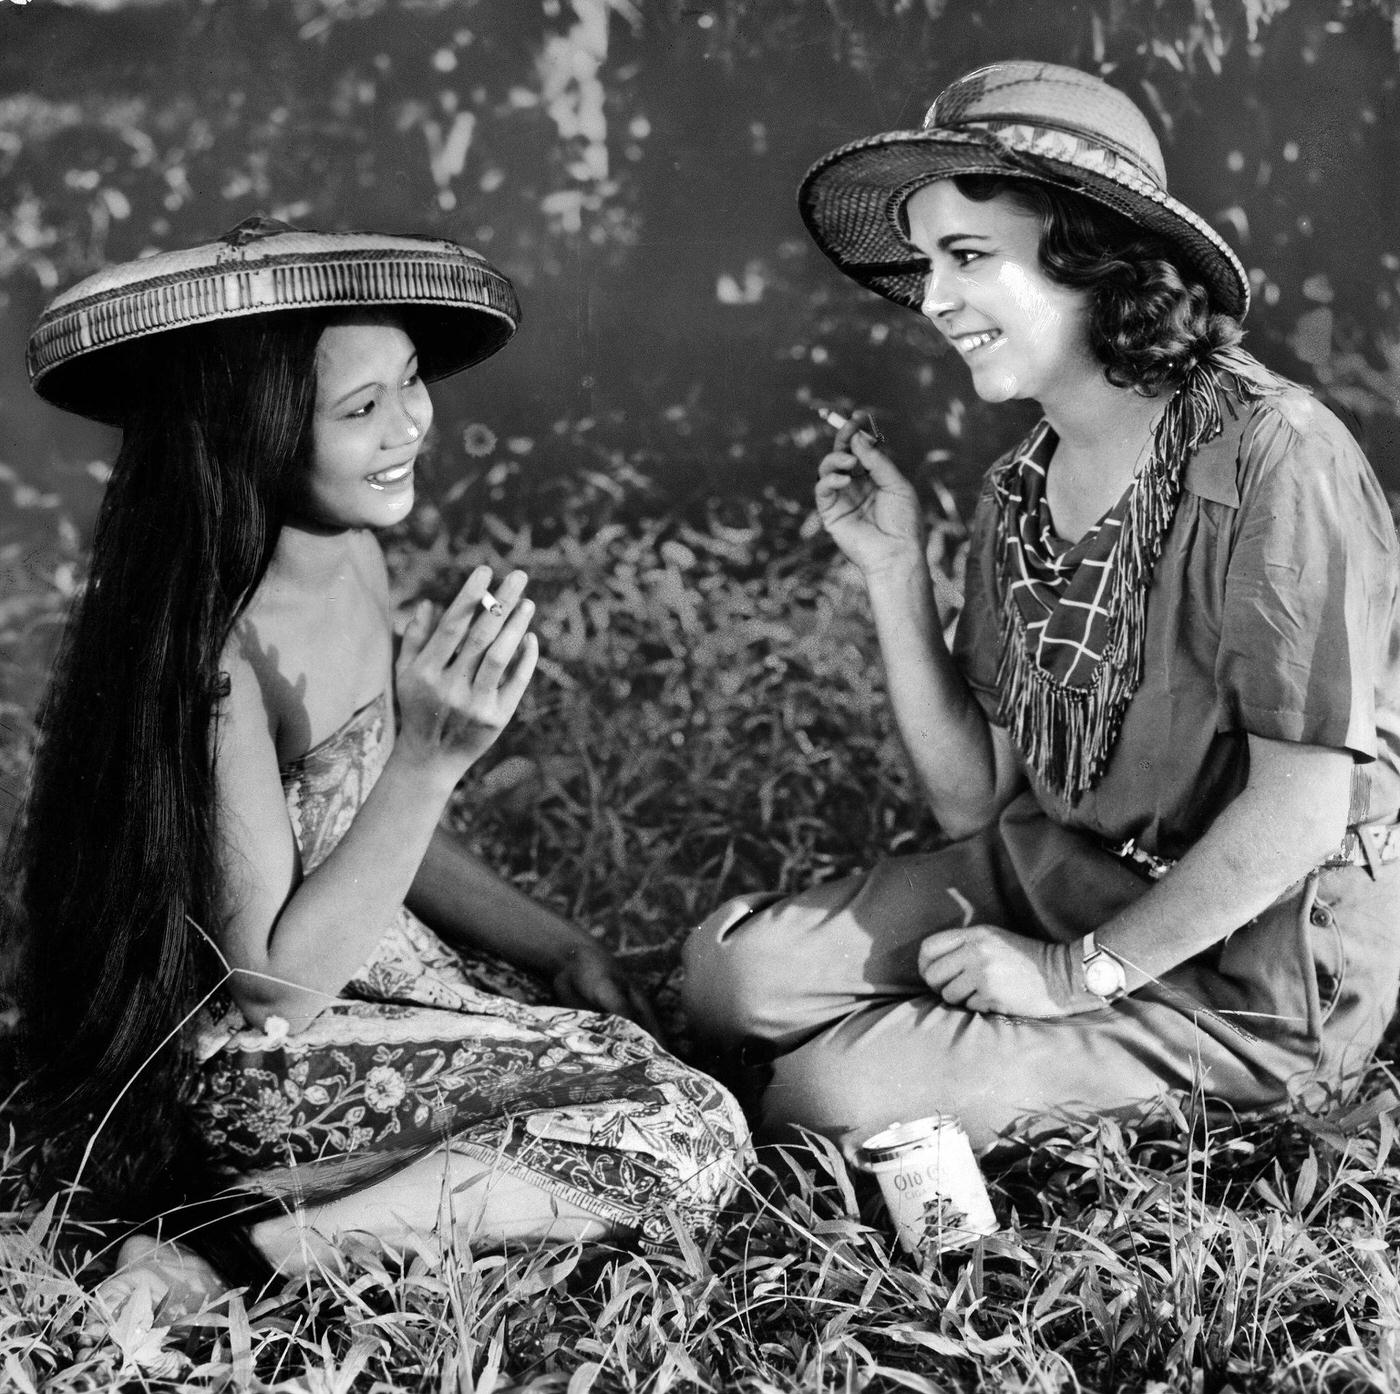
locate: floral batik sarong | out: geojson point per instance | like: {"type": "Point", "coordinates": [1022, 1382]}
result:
{"type": "Point", "coordinates": [426, 1046]}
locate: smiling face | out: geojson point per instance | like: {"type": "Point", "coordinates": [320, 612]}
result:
{"type": "Point", "coordinates": [1021, 334]}
{"type": "Point", "coordinates": [372, 412]}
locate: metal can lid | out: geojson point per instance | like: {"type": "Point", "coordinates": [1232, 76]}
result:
{"type": "Point", "coordinates": [900, 1138]}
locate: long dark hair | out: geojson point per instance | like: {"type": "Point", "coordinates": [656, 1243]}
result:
{"type": "Point", "coordinates": [115, 853]}
{"type": "Point", "coordinates": [1150, 319]}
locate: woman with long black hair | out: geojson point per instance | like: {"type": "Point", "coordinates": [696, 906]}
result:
{"type": "Point", "coordinates": [260, 982]}
{"type": "Point", "coordinates": [1164, 746]}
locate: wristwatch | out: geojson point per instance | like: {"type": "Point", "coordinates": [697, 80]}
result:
{"type": "Point", "coordinates": [1103, 974]}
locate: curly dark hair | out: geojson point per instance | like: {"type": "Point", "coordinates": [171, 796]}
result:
{"type": "Point", "coordinates": [1150, 316]}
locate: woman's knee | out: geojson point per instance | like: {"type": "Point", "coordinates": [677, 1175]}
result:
{"type": "Point", "coordinates": [728, 985]}
{"type": "Point", "coordinates": [895, 1062]}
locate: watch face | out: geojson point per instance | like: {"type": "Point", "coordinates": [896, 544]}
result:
{"type": "Point", "coordinates": [1103, 976]}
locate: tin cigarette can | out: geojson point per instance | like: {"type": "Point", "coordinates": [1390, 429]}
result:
{"type": "Point", "coordinates": [930, 1180]}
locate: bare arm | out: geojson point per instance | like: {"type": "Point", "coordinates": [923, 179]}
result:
{"type": "Point", "coordinates": [1290, 816]}
{"type": "Point", "coordinates": [967, 768]}
{"type": "Point", "coordinates": [294, 939]}
{"type": "Point", "coordinates": [468, 904]}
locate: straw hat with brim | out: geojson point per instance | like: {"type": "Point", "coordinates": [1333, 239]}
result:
{"type": "Point", "coordinates": [1031, 120]}
{"type": "Point", "coordinates": [455, 305]}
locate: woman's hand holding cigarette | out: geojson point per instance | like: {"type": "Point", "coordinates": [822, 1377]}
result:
{"type": "Point", "coordinates": [837, 422]}
{"type": "Point", "coordinates": [460, 680]}
{"type": "Point", "coordinates": [868, 507]}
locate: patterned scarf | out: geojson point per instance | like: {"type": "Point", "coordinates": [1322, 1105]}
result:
{"type": "Point", "coordinates": [1073, 617]}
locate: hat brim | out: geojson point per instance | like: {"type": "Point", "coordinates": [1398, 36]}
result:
{"type": "Point", "coordinates": [849, 200]}
{"type": "Point", "coordinates": [456, 307]}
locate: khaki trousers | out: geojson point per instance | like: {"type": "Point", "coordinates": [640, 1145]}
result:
{"type": "Point", "coordinates": [814, 1008]}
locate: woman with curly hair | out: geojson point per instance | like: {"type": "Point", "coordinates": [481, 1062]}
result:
{"type": "Point", "coordinates": [267, 998]}
{"type": "Point", "coordinates": [1164, 746]}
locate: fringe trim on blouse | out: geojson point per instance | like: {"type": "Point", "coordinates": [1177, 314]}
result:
{"type": "Point", "coordinates": [1067, 733]}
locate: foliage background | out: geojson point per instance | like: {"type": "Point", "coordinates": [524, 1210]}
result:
{"type": "Point", "coordinates": [708, 718]}
{"type": "Point", "coordinates": [632, 164]}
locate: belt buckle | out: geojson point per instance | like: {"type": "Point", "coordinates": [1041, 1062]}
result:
{"type": "Point", "coordinates": [1155, 867]}
{"type": "Point", "coordinates": [1369, 845]}
{"type": "Point", "coordinates": [1373, 843]}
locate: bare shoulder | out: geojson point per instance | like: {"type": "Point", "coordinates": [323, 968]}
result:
{"type": "Point", "coordinates": [317, 646]}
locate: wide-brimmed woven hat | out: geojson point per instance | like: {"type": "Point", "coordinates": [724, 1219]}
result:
{"type": "Point", "coordinates": [1032, 120]}
{"type": "Point", "coordinates": [456, 306]}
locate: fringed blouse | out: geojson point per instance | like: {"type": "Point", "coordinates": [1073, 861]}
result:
{"type": "Point", "coordinates": [1271, 610]}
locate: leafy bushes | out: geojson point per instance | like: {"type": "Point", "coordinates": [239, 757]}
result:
{"type": "Point", "coordinates": [709, 719]}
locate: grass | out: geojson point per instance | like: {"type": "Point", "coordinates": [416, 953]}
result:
{"type": "Point", "coordinates": [710, 719]}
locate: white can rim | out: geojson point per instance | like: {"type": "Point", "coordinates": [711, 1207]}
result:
{"type": "Point", "coordinates": [897, 1140]}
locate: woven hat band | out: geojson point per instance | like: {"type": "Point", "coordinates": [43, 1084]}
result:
{"type": "Point", "coordinates": [1050, 97]}
{"type": "Point", "coordinates": [456, 307]}
{"type": "Point", "coordinates": [242, 289]}
{"type": "Point", "coordinates": [1087, 152]}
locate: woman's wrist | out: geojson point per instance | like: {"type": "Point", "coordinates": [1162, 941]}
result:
{"type": "Point", "coordinates": [429, 772]}
{"type": "Point", "coordinates": [899, 567]}
{"type": "Point", "coordinates": [1065, 971]}
{"type": "Point", "coordinates": [902, 601]}
{"type": "Point", "coordinates": [900, 595]}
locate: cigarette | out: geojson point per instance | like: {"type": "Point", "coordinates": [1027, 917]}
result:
{"type": "Point", "coordinates": [837, 422]}
{"type": "Point", "coordinates": [490, 603]}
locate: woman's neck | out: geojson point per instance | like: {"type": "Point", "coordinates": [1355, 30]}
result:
{"type": "Point", "coordinates": [310, 559]}
{"type": "Point", "coordinates": [1104, 440]}
{"type": "Point", "coordinates": [1100, 422]}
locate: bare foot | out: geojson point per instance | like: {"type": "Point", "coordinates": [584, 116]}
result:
{"type": "Point", "coordinates": [175, 1280]}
